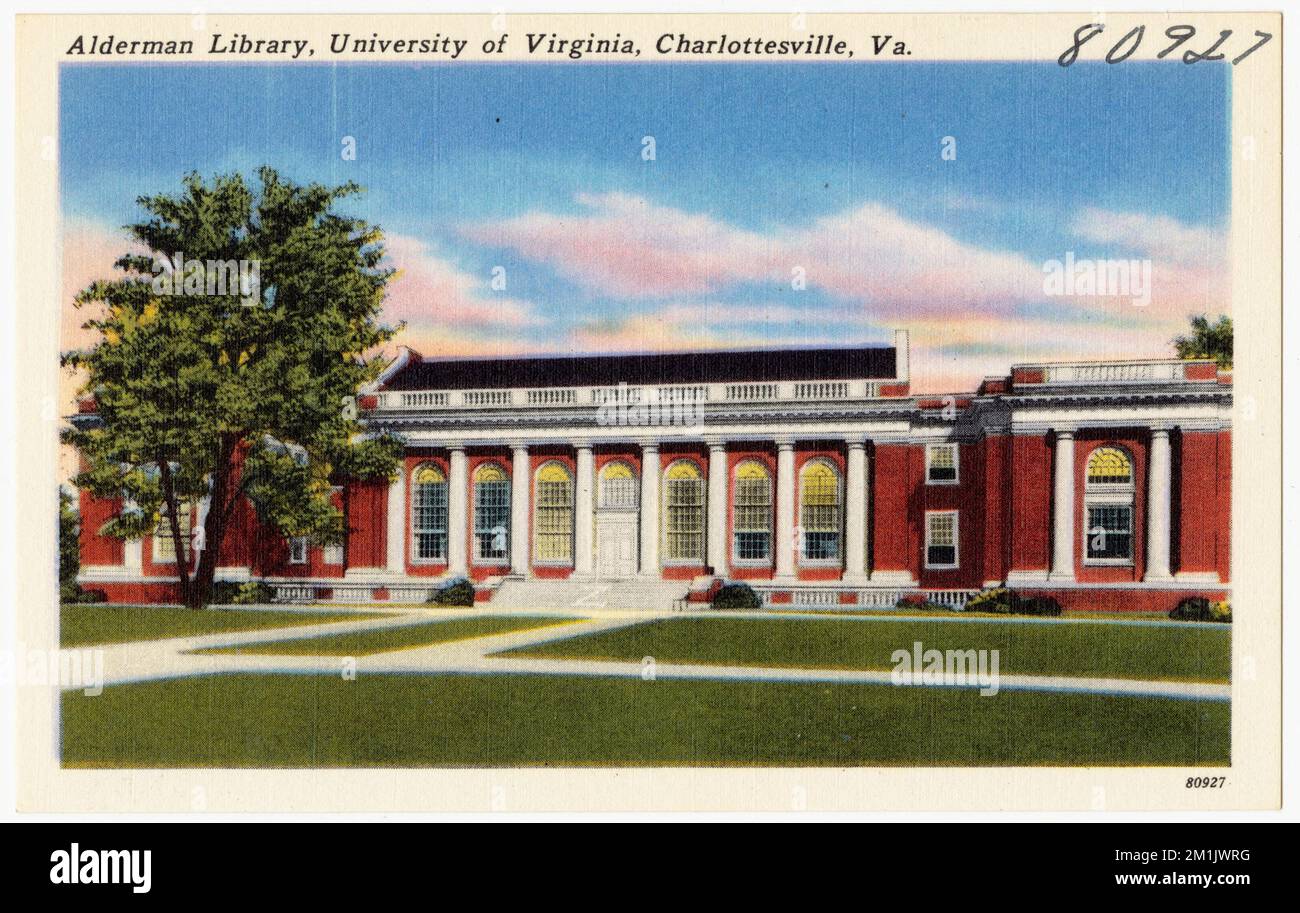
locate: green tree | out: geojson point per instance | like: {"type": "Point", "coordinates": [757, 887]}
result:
{"type": "Point", "coordinates": [69, 550]}
{"type": "Point", "coordinates": [1207, 340]}
{"type": "Point", "coordinates": [234, 390]}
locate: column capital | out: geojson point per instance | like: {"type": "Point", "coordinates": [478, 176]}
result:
{"type": "Point", "coordinates": [716, 444]}
{"type": "Point", "coordinates": [648, 445]}
{"type": "Point", "coordinates": [784, 443]}
{"type": "Point", "coordinates": [1063, 434]}
{"type": "Point", "coordinates": [455, 446]}
{"type": "Point", "coordinates": [855, 443]}
{"type": "Point", "coordinates": [1161, 430]}
{"type": "Point", "coordinates": [517, 446]}
{"type": "Point", "coordinates": [582, 445]}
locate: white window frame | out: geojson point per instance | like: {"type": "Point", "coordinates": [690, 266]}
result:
{"type": "Point", "coordinates": [766, 560]}
{"type": "Point", "coordinates": [956, 540]}
{"type": "Point", "coordinates": [476, 533]}
{"type": "Point", "coordinates": [296, 543]}
{"type": "Point", "coordinates": [956, 463]}
{"type": "Point", "coordinates": [163, 533]}
{"type": "Point", "coordinates": [415, 532]}
{"type": "Point", "coordinates": [1103, 494]}
{"type": "Point", "coordinates": [841, 503]}
{"type": "Point", "coordinates": [535, 520]}
{"type": "Point", "coordinates": [665, 533]}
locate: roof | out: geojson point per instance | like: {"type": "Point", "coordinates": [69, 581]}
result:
{"type": "Point", "coordinates": [865, 362]}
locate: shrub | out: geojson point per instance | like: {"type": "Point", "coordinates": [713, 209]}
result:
{"type": "Point", "coordinates": [1035, 605]}
{"type": "Point", "coordinates": [736, 596]}
{"type": "Point", "coordinates": [996, 600]}
{"type": "Point", "coordinates": [251, 592]}
{"type": "Point", "coordinates": [254, 592]}
{"type": "Point", "coordinates": [458, 592]}
{"type": "Point", "coordinates": [223, 592]}
{"type": "Point", "coordinates": [1003, 601]}
{"type": "Point", "coordinates": [1198, 608]}
{"type": "Point", "coordinates": [916, 602]}
{"type": "Point", "coordinates": [89, 596]}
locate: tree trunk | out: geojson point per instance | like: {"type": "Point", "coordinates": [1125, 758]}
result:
{"type": "Point", "coordinates": [179, 551]}
{"type": "Point", "coordinates": [214, 526]}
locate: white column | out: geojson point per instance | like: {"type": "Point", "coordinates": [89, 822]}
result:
{"type": "Point", "coordinates": [457, 514]}
{"type": "Point", "coordinates": [717, 530]}
{"type": "Point", "coordinates": [583, 520]}
{"type": "Point", "coordinates": [1063, 508]}
{"type": "Point", "coordinates": [1158, 496]}
{"type": "Point", "coordinates": [649, 510]}
{"type": "Point", "coordinates": [395, 539]}
{"type": "Point", "coordinates": [855, 513]}
{"type": "Point", "coordinates": [520, 487]}
{"type": "Point", "coordinates": [785, 510]}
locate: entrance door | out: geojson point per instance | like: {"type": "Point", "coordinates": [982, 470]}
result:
{"type": "Point", "coordinates": [616, 545]}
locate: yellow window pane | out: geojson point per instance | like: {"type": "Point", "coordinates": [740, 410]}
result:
{"type": "Point", "coordinates": [617, 470]}
{"type": "Point", "coordinates": [490, 472]}
{"type": "Point", "coordinates": [1109, 465]}
{"type": "Point", "coordinates": [553, 472]}
{"type": "Point", "coordinates": [683, 469]}
{"type": "Point", "coordinates": [429, 475]}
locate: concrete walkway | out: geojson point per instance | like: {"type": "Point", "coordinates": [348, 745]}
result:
{"type": "Point", "coordinates": [174, 658]}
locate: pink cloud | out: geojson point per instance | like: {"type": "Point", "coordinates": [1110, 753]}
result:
{"type": "Point", "coordinates": [1158, 237]}
{"type": "Point", "coordinates": [626, 246]}
{"type": "Point", "coordinates": [430, 291]}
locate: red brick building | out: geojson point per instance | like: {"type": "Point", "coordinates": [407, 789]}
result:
{"type": "Point", "coordinates": [812, 474]}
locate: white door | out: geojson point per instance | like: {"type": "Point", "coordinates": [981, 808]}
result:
{"type": "Point", "coordinates": [616, 546]}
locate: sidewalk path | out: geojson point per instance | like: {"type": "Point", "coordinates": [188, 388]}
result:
{"type": "Point", "coordinates": [174, 658]}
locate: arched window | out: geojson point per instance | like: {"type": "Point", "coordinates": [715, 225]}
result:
{"type": "Point", "coordinates": [1108, 507]}
{"type": "Point", "coordinates": [684, 512]}
{"type": "Point", "coordinates": [820, 511]}
{"type": "Point", "coordinates": [618, 487]}
{"type": "Point", "coordinates": [428, 514]}
{"type": "Point", "coordinates": [751, 520]}
{"type": "Point", "coordinates": [491, 514]}
{"type": "Point", "coordinates": [553, 515]}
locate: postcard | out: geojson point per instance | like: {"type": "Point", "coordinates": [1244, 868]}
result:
{"type": "Point", "coordinates": [631, 412]}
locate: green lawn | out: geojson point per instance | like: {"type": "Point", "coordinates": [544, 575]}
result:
{"type": "Point", "coordinates": [1200, 653]}
{"type": "Point", "coordinates": [84, 625]}
{"type": "Point", "coordinates": [383, 640]}
{"type": "Point", "coordinates": [410, 721]}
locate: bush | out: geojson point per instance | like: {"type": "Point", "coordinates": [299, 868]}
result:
{"type": "Point", "coordinates": [252, 592]}
{"type": "Point", "coordinates": [1035, 605]}
{"type": "Point", "coordinates": [91, 596]}
{"type": "Point", "coordinates": [458, 592]}
{"type": "Point", "coordinates": [736, 596]}
{"type": "Point", "coordinates": [997, 601]}
{"type": "Point", "coordinates": [916, 602]}
{"type": "Point", "coordinates": [1198, 608]}
{"type": "Point", "coordinates": [1002, 601]}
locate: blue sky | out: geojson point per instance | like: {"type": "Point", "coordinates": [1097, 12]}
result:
{"type": "Point", "coordinates": [759, 171]}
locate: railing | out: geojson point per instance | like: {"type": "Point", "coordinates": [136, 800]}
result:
{"type": "Point", "coordinates": [422, 399]}
{"type": "Point", "coordinates": [1115, 372]}
{"type": "Point", "coordinates": [553, 397]}
{"type": "Point", "coordinates": [751, 392]}
{"type": "Point", "coordinates": [822, 390]}
{"type": "Point", "coordinates": [849, 598]}
{"type": "Point", "coordinates": [488, 397]}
